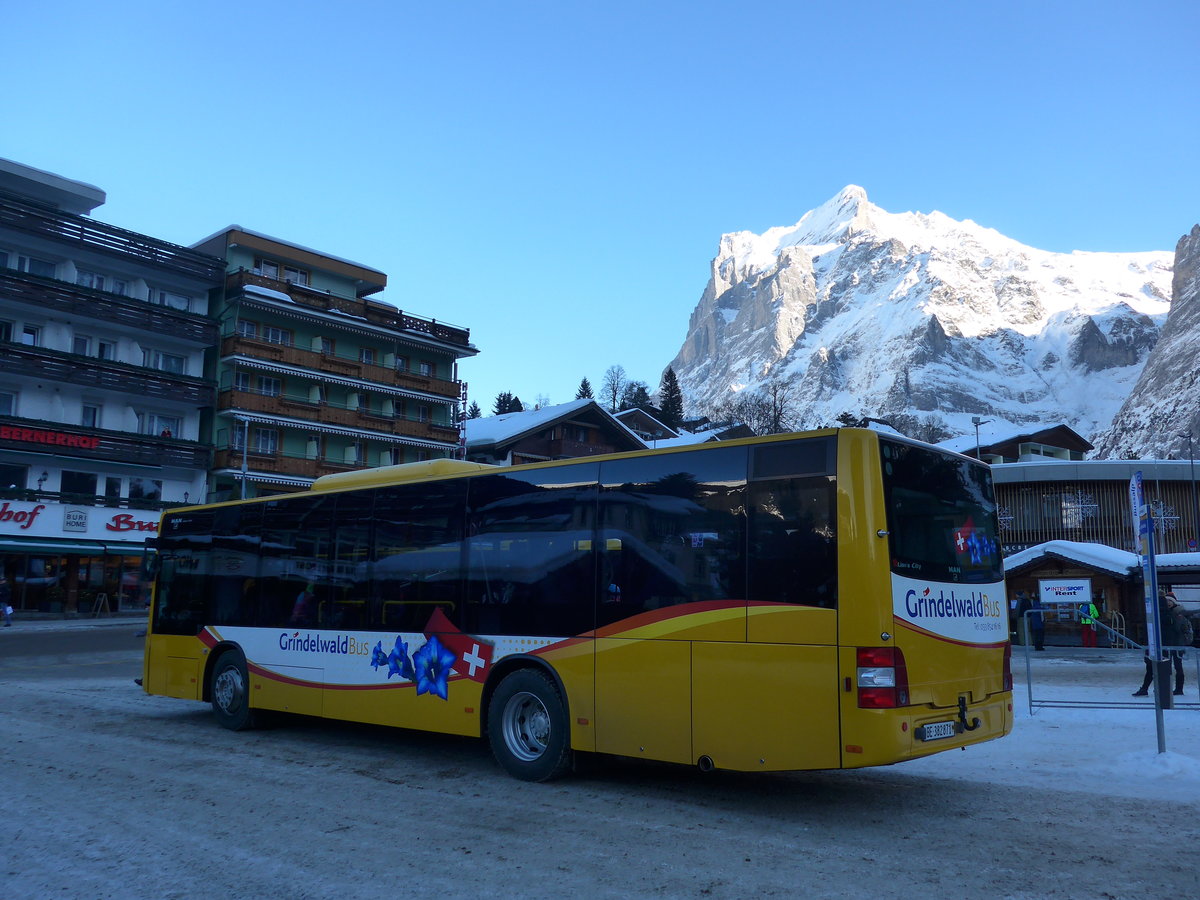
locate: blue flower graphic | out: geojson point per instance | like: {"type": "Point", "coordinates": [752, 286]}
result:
{"type": "Point", "coordinates": [399, 663]}
{"type": "Point", "coordinates": [433, 663]}
{"type": "Point", "coordinates": [378, 657]}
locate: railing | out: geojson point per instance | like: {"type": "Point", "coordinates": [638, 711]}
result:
{"type": "Point", "coordinates": [32, 495]}
{"type": "Point", "coordinates": [282, 464]}
{"type": "Point", "coordinates": [373, 311]}
{"type": "Point", "coordinates": [36, 218]}
{"type": "Point", "coordinates": [346, 367]}
{"type": "Point", "coordinates": [76, 301]}
{"type": "Point", "coordinates": [108, 445]}
{"type": "Point", "coordinates": [323, 412]}
{"type": "Point", "coordinates": [71, 368]}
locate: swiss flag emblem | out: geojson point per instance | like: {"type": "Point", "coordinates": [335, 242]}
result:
{"type": "Point", "coordinates": [474, 655]}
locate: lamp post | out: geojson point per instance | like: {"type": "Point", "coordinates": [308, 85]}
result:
{"type": "Point", "coordinates": [1192, 477]}
{"type": "Point", "coordinates": [976, 421]}
{"type": "Point", "coordinates": [245, 451]}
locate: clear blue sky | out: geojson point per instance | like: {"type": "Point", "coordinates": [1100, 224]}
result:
{"type": "Point", "coordinates": [556, 176]}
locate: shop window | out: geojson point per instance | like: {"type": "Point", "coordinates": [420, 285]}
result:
{"type": "Point", "coordinates": [112, 488]}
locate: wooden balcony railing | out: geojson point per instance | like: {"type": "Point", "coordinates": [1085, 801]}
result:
{"type": "Point", "coordinates": [281, 464]}
{"type": "Point", "coordinates": [372, 311]}
{"type": "Point", "coordinates": [236, 345]}
{"type": "Point", "coordinates": [31, 217]}
{"type": "Point", "coordinates": [330, 414]}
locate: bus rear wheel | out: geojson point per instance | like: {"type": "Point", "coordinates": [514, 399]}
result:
{"type": "Point", "coordinates": [527, 727]}
{"type": "Point", "coordinates": [230, 692]}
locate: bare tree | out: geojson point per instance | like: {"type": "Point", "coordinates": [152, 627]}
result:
{"type": "Point", "coordinates": [613, 386]}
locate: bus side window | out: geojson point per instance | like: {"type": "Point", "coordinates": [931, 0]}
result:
{"type": "Point", "coordinates": [793, 542]}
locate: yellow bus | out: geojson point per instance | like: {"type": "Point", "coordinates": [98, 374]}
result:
{"type": "Point", "coordinates": [832, 599]}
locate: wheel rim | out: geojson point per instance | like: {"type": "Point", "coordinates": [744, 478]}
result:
{"type": "Point", "coordinates": [229, 689]}
{"type": "Point", "coordinates": [526, 726]}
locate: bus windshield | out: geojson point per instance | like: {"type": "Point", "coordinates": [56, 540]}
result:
{"type": "Point", "coordinates": [941, 515]}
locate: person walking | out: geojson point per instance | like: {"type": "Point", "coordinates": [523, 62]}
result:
{"type": "Point", "coordinates": [6, 600]}
{"type": "Point", "coordinates": [1088, 616]}
{"type": "Point", "coordinates": [1037, 624]}
{"type": "Point", "coordinates": [1168, 612]}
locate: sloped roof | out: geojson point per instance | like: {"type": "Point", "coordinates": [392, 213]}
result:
{"type": "Point", "coordinates": [1097, 556]}
{"type": "Point", "coordinates": [508, 427]}
{"type": "Point", "coordinates": [999, 441]}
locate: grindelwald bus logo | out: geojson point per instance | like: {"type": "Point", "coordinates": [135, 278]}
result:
{"type": "Point", "coordinates": [341, 644]}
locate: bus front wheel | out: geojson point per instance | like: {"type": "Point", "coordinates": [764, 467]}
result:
{"type": "Point", "coordinates": [230, 692]}
{"type": "Point", "coordinates": [527, 727]}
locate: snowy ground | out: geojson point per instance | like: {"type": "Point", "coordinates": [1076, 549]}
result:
{"type": "Point", "coordinates": [110, 793]}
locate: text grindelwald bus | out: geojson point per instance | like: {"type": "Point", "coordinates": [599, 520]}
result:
{"type": "Point", "coordinates": [824, 600]}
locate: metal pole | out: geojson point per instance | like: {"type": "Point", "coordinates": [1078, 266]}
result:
{"type": "Point", "coordinates": [1195, 504]}
{"type": "Point", "coordinates": [245, 451]}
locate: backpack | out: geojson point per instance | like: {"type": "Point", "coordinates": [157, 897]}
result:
{"type": "Point", "coordinates": [1183, 625]}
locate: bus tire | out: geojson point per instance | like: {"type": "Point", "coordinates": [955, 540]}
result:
{"type": "Point", "coordinates": [230, 692]}
{"type": "Point", "coordinates": [527, 727]}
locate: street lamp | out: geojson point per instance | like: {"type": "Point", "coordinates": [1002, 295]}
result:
{"type": "Point", "coordinates": [976, 421]}
{"type": "Point", "coordinates": [1195, 504]}
{"type": "Point", "coordinates": [245, 451]}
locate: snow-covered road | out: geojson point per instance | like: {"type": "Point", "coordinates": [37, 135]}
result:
{"type": "Point", "coordinates": [110, 793]}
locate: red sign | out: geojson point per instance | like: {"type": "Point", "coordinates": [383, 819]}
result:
{"type": "Point", "coordinates": [22, 518]}
{"type": "Point", "coordinates": [126, 522]}
{"type": "Point", "coordinates": [54, 438]}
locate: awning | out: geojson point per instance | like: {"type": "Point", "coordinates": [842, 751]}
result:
{"type": "Point", "coordinates": [71, 548]}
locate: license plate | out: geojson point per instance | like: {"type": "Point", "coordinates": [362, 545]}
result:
{"type": "Point", "coordinates": [937, 730]}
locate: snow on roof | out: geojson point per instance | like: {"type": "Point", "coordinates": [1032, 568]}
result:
{"type": "Point", "coordinates": [1098, 556]}
{"type": "Point", "coordinates": [266, 292]}
{"type": "Point", "coordinates": [988, 438]}
{"type": "Point", "coordinates": [686, 438]}
{"type": "Point", "coordinates": [504, 427]}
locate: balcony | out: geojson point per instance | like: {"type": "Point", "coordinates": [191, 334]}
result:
{"type": "Point", "coordinates": [39, 436]}
{"type": "Point", "coordinates": [31, 217]}
{"type": "Point", "coordinates": [282, 464]}
{"type": "Point", "coordinates": [325, 413]}
{"type": "Point", "coordinates": [73, 301]}
{"type": "Point", "coordinates": [343, 367]}
{"type": "Point", "coordinates": [70, 368]}
{"type": "Point", "coordinates": [373, 312]}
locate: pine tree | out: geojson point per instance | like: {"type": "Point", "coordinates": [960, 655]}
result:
{"type": "Point", "coordinates": [473, 411]}
{"type": "Point", "coordinates": [515, 404]}
{"type": "Point", "coordinates": [635, 395]}
{"type": "Point", "coordinates": [503, 403]}
{"type": "Point", "coordinates": [585, 390]}
{"type": "Point", "coordinates": [670, 400]}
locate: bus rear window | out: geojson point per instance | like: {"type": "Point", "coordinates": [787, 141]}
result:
{"type": "Point", "coordinates": [941, 515]}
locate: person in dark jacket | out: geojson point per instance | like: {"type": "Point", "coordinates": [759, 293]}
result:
{"type": "Point", "coordinates": [1170, 637]}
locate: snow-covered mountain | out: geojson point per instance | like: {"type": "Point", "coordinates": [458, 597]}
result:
{"type": "Point", "coordinates": [925, 317]}
{"type": "Point", "coordinates": [1165, 403]}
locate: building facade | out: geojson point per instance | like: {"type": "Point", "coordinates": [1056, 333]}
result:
{"type": "Point", "coordinates": [103, 392]}
{"type": "Point", "coordinates": [315, 377]}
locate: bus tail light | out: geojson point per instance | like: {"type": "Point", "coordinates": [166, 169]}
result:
{"type": "Point", "coordinates": [1008, 666]}
{"type": "Point", "coordinates": [882, 678]}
